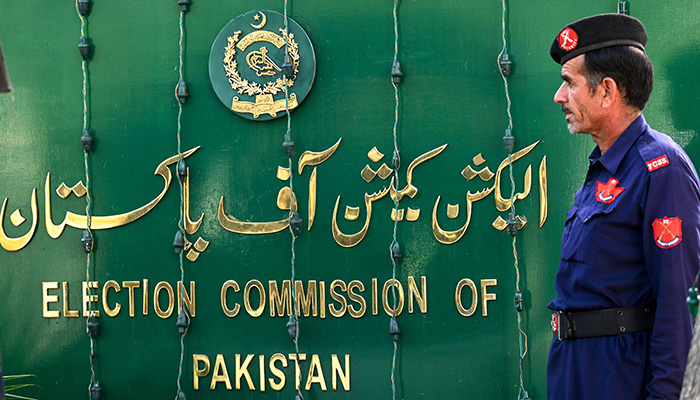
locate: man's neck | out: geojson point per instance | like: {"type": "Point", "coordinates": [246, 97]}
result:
{"type": "Point", "coordinates": [614, 127]}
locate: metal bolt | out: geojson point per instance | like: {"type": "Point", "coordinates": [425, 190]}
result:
{"type": "Point", "coordinates": [86, 140]}
{"type": "Point", "coordinates": [509, 141]}
{"type": "Point", "coordinates": [182, 322]}
{"type": "Point", "coordinates": [395, 160]}
{"type": "Point", "coordinates": [93, 327]}
{"type": "Point", "coordinates": [5, 86]}
{"type": "Point", "coordinates": [622, 7]}
{"type": "Point", "coordinates": [693, 301]}
{"type": "Point", "coordinates": [396, 73]}
{"type": "Point", "coordinates": [182, 92]}
{"type": "Point", "coordinates": [295, 223]}
{"type": "Point", "coordinates": [84, 48]}
{"type": "Point", "coordinates": [84, 7]}
{"type": "Point", "coordinates": [95, 391]}
{"type": "Point", "coordinates": [394, 329]}
{"type": "Point", "coordinates": [512, 225]}
{"type": "Point", "coordinates": [396, 253]}
{"type": "Point", "coordinates": [288, 67]}
{"type": "Point", "coordinates": [179, 241]}
{"type": "Point", "coordinates": [184, 4]}
{"type": "Point", "coordinates": [182, 169]}
{"type": "Point", "coordinates": [288, 145]}
{"type": "Point", "coordinates": [506, 64]}
{"type": "Point", "coordinates": [292, 327]}
{"type": "Point", "coordinates": [87, 241]}
{"type": "Point", "coordinates": [518, 302]}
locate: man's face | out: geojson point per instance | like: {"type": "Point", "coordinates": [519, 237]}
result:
{"type": "Point", "coordinates": [582, 108]}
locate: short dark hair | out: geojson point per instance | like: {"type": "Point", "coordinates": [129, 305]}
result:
{"type": "Point", "coordinates": [628, 66]}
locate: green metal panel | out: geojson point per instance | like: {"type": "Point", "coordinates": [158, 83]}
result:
{"type": "Point", "coordinates": [451, 93]}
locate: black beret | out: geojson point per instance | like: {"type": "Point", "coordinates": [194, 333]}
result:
{"type": "Point", "coordinates": [596, 32]}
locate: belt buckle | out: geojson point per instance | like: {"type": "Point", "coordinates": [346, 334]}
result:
{"type": "Point", "coordinates": [558, 318]}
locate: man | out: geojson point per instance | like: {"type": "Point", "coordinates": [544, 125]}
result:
{"type": "Point", "coordinates": [630, 243]}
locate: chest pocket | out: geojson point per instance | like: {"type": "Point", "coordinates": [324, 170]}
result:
{"type": "Point", "coordinates": [581, 234]}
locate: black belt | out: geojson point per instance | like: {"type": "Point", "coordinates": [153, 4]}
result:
{"type": "Point", "coordinates": [608, 322]}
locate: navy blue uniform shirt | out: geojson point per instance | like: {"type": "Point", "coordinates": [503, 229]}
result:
{"type": "Point", "coordinates": [632, 238]}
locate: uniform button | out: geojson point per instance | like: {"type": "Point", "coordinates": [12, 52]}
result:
{"type": "Point", "coordinates": [588, 184]}
{"type": "Point", "coordinates": [586, 220]}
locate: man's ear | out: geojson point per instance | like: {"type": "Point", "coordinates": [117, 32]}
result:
{"type": "Point", "coordinates": [610, 92]}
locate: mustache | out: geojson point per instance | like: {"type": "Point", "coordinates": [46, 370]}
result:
{"type": "Point", "coordinates": [565, 109]}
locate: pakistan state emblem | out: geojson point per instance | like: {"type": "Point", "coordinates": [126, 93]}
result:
{"type": "Point", "coordinates": [259, 69]}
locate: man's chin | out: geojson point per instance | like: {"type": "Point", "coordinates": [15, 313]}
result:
{"type": "Point", "coordinates": [573, 129]}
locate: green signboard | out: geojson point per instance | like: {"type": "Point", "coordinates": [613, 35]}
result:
{"type": "Point", "coordinates": [286, 277]}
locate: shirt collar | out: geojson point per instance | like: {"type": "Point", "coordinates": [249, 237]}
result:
{"type": "Point", "coordinates": [613, 157]}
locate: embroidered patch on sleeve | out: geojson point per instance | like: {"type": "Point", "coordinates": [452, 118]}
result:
{"type": "Point", "coordinates": [657, 163]}
{"type": "Point", "coordinates": [667, 232]}
{"type": "Point", "coordinates": [608, 192]}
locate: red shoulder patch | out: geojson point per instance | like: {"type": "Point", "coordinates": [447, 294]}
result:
{"type": "Point", "coordinates": [667, 232]}
{"type": "Point", "coordinates": [568, 39]}
{"type": "Point", "coordinates": [657, 163]}
{"type": "Point", "coordinates": [608, 192]}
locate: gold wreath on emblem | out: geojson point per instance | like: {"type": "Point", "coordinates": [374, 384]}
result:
{"type": "Point", "coordinates": [262, 65]}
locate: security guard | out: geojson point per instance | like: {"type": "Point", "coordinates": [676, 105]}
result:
{"type": "Point", "coordinates": [630, 245]}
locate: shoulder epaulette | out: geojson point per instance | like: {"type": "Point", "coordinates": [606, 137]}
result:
{"type": "Point", "coordinates": [653, 153]}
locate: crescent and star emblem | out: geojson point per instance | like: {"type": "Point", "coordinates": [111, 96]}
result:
{"type": "Point", "coordinates": [257, 18]}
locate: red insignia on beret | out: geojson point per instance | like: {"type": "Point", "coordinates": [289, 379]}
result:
{"type": "Point", "coordinates": [608, 192]}
{"type": "Point", "coordinates": [568, 39]}
{"type": "Point", "coordinates": [657, 163]}
{"type": "Point", "coordinates": [667, 232]}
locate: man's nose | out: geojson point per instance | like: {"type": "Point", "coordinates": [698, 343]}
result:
{"type": "Point", "coordinates": [559, 96]}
